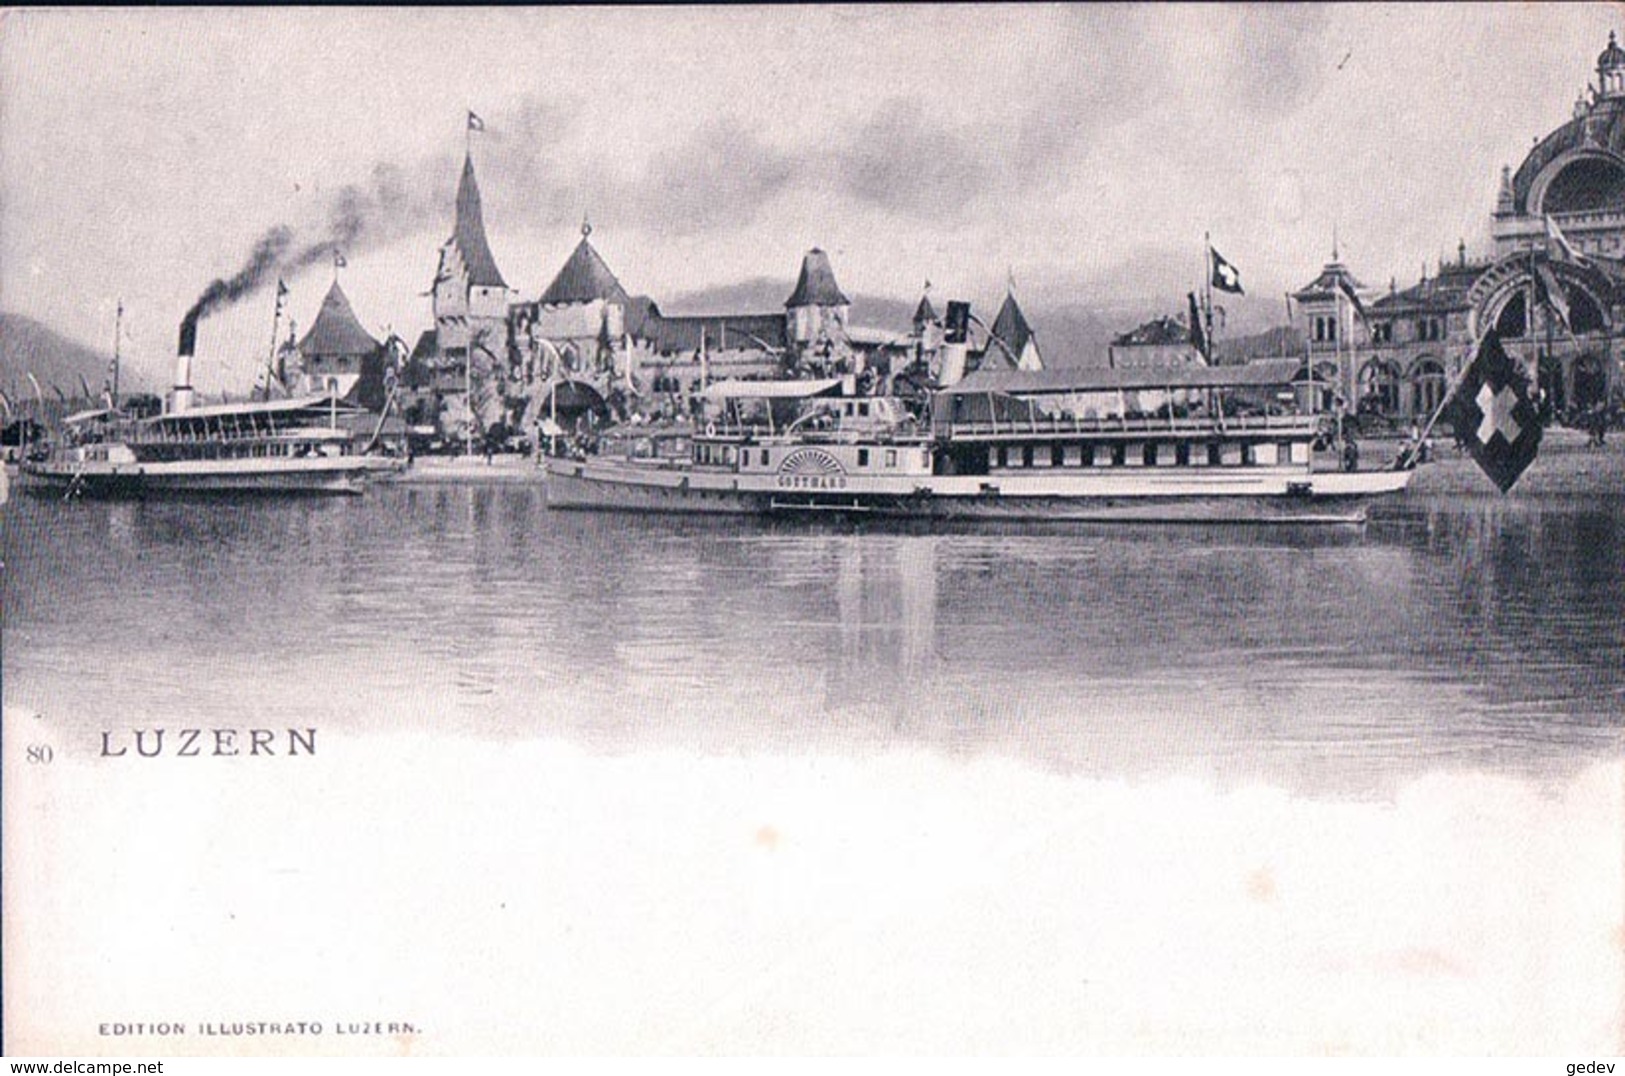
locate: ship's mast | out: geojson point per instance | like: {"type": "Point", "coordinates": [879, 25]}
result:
{"type": "Point", "coordinates": [276, 323]}
{"type": "Point", "coordinates": [1207, 291]}
{"type": "Point", "coordinates": [118, 336]}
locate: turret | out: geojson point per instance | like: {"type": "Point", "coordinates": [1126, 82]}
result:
{"type": "Point", "coordinates": [1611, 70]}
{"type": "Point", "coordinates": [817, 306]}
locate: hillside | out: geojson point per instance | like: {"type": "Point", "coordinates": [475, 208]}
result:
{"type": "Point", "coordinates": [27, 346]}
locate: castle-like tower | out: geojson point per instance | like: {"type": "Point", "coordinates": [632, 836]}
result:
{"type": "Point", "coordinates": [817, 310]}
{"type": "Point", "coordinates": [470, 297]}
{"type": "Point", "coordinates": [340, 356]}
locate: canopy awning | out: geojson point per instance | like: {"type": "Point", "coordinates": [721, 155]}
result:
{"type": "Point", "coordinates": [264, 407]}
{"type": "Point", "coordinates": [772, 390]}
{"type": "Point", "coordinates": [1054, 381]}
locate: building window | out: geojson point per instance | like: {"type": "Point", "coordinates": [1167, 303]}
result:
{"type": "Point", "coordinates": [891, 457]}
{"type": "Point", "coordinates": [863, 457]}
{"type": "Point", "coordinates": [1057, 455]}
{"type": "Point", "coordinates": [1027, 456]}
{"type": "Point", "coordinates": [1382, 332]}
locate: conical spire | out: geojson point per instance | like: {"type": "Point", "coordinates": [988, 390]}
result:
{"type": "Point", "coordinates": [336, 330]}
{"type": "Point", "coordinates": [584, 278]}
{"type": "Point", "coordinates": [816, 286]}
{"type": "Point", "coordinates": [925, 313]}
{"type": "Point", "coordinates": [469, 233]}
{"type": "Point", "coordinates": [1011, 328]}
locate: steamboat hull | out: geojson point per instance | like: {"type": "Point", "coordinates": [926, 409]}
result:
{"type": "Point", "coordinates": [319, 477]}
{"type": "Point", "coordinates": [1288, 497]}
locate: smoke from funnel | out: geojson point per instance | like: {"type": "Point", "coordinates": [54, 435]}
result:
{"type": "Point", "coordinates": [188, 343]}
{"type": "Point", "coordinates": [394, 202]}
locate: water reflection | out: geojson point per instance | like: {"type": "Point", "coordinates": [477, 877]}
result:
{"type": "Point", "coordinates": [1467, 632]}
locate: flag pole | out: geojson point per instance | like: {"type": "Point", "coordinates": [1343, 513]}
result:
{"type": "Point", "coordinates": [1408, 456]}
{"type": "Point", "coordinates": [276, 323]}
{"type": "Point", "coordinates": [118, 336]}
{"type": "Point", "coordinates": [1207, 290]}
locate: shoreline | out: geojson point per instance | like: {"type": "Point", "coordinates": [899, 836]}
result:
{"type": "Point", "coordinates": [468, 470]}
{"type": "Point", "coordinates": [1566, 466]}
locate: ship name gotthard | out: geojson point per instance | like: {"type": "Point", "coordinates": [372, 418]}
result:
{"type": "Point", "coordinates": [194, 743]}
{"type": "Point", "coordinates": [811, 468]}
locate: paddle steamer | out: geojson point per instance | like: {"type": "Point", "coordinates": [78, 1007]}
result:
{"type": "Point", "coordinates": [1193, 444]}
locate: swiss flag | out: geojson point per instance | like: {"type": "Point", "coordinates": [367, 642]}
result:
{"type": "Point", "coordinates": [1494, 416]}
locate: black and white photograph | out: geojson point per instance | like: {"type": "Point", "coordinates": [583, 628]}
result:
{"type": "Point", "coordinates": [806, 530]}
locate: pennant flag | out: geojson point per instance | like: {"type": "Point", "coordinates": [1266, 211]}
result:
{"type": "Point", "coordinates": [1550, 292]}
{"type": "Point", "coordinates": [1225, 276]}
{"type": "Point", "coordinates": [1493, 414]}
{"type": "Point", "coordinates": [956, 327]}
{"type": "Point", "coordinates": [474, 122]}
{"type": "Point", "coordinates": [1198, 337]}
{"type": "Point", "coordinates": [1348, 290]}
{"type": "Point", "coordinates": [1558, 246]}
{"type": "Point", "coordinates": [85, 386]}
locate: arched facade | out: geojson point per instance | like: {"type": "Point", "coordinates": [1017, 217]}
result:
{"type": "Point", "coordinates": [1426, 384]}
{"type": "Point", "coordinates": [1558, 317]}
{"type": "Point", "coordinates": [1554, 287]}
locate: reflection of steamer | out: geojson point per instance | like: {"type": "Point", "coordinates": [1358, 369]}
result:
{"type": "Point", "coordinates": [275, 446]}
{"type": "Point", "coordinates": [1170, 445]}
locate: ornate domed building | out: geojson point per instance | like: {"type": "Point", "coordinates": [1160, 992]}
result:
{"type": "Point", "coordinates": [1554, 289]}
{"type": "Point", "coordinates": [1575, 175]}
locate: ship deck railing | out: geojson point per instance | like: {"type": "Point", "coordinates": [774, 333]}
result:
{"type": "Point", "coordinates": [1147, 425]}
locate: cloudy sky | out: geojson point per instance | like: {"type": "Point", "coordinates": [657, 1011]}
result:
{"type": "Point", "coordinates": [1084, 149]}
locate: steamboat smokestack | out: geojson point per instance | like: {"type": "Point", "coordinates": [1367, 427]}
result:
{"type": "Point", "coordinates": [181, 399]}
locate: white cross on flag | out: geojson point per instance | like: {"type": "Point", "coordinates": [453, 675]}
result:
{"type": "Point", "coordinates": [1494, 416]}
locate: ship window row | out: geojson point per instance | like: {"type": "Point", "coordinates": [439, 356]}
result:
{"type": "Point", "coordinates": [728, 455]}
{"type": "Point", "coordinates": [1153, 454]}
{"type": "Point", "coordinates": [162, 452]}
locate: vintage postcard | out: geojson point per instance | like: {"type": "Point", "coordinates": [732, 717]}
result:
{"type": "Point", "coordinates": [813, 529]}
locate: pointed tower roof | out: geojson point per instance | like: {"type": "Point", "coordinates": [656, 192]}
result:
{"type": "Point", "coordinates": [816, 286]}
{"type": "Point", "coordinates": [1334, 278]}
{"type": "Point", "coordinates": [336, 330]}
{"type": "Point", "coordinates": [925, 313]}
{"type": "Point", "coordinates": [1012, 329]}
{"type": "Point", "coordinates": [469, 233]}
{"type": "Point", "coordinates": [584, 278]}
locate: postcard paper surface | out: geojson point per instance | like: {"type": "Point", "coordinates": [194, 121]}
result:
{"type": "Point", "coordinates": [778, 530]}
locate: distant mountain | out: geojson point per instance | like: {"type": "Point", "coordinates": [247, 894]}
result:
{"type": "Point", "coordinates": [1283, 341]}
{"type": "Point", "coordinates": [27, 346]}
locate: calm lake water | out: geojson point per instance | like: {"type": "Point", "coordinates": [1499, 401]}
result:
{"type": "Point", "coordinates": [1448, 633]}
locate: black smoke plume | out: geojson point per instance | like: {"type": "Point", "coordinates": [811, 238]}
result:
{"type": "Point", "coordinates": [395, 201]}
